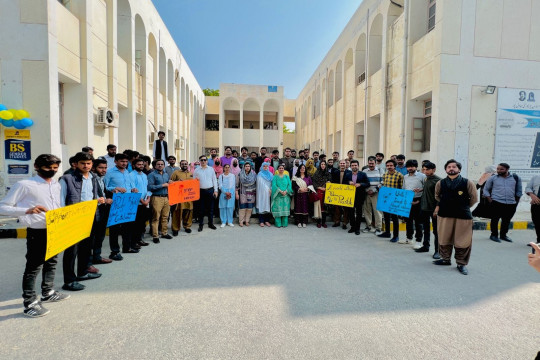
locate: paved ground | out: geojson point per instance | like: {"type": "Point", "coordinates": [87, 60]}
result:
{"type": "Point", "coordinates": [284, 294]}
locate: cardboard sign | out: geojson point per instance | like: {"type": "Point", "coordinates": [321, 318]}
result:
{"type": "Point", "coordinates": [184, 191]}
{"type": "Point", "coordinates": [340, 195]}
{"type": "Point", "coordinates": [17, 150]}
{"type": "Point", "coordinates": [68, 225]}
{"type": "Point", "coordinates": [395, 201]}
{"type": "Point", "coordinates": [123, 208]}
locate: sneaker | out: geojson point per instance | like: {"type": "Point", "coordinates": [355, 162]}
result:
{"type": "Point", "coordinates": [231, 225]}
{"type": "Point", "coordinates": [299, 225]}
{"type": "Point", "coordinates": [116, 256]}
{"type": "Point", "coordinates": [417, 245]}
{"type": "Point", "coordinates": [408, 241]}
{"type": "Point", "coordinates": [35, 310]}
{"type": "Point", "coordinates": [366, 230]}
{"type": "Point", "coordinates": [54, 296]}
{"type": "Point", "coordinates": [223, 225]}
{"type": "Point", "coordinates": [394, 239]}
{"type": "Point", "coordinates": [378, 232]}
{"type": "Point", "coordinates": [402, 241]}
{"type": "Point", "coordinates": [304, 225]}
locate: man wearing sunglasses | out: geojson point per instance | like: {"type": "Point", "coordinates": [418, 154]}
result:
{"type": "Point", "coordinates": [209, 192]}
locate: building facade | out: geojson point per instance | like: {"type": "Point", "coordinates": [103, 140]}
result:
{"type": "Point", "coordinates": [248, 115]}
{"type": "Point", "coordinates": [410, 76]}
{"type": "Point", "coordinates": [69, 60]}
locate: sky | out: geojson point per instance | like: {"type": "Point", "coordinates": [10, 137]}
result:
{"type": "Point", "coordinates": [261, 42]}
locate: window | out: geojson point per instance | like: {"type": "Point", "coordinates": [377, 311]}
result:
{"type": "Point", "coordinates": [61, 113]}
{"type": "Point", "coordinates": [421, 136]}
{"type": "Point", "coordinates": [212, 125]}
{"type": "Point", "coordinates": [361, 78]}
{"type": "Point", "coordinates": [431, 14]}
{"type": "Point", "coordinates": [360, 146]}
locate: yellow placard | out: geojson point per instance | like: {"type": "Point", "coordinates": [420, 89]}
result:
{"type": "Point", "coordinates": [339, 195]}
{"type": "Point", "coordinates": [68, 225]}
{"type": "Point", "coordinates": [17, 134]}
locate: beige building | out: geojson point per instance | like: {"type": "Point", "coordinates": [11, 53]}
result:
{"type": "Point", "coordinates": [70, 62]}
{"type": "Point", "coordinates": [248, 115]}
{"type": "Point", "coordinates": [410, 76]}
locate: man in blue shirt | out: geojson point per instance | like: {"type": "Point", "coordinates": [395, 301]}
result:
{"type": "Point", "coordinates": [158, 184]}
{"type": "Point", "coordinates": [503, 192]}
{"type": "Point", "coordinates": [118, 180]}
{"type": "Point", "coordinates": [400, 159]}
{"type": "Point", "coordinates": [140, 181]}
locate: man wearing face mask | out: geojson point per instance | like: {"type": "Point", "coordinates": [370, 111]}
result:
{"type": "Point", "coordinates": [183, 211]}
{"type": "Point", "coordinates": [455, 196]}
{"type": "Point", "coordinates": [29, 200]}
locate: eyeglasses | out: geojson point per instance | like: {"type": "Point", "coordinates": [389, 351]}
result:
{"type": "Point", "coordinates": [204, 159]}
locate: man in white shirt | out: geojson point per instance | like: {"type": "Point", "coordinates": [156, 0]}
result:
{"type": "Point", "coordinates": [29, 200]}
{"type": "Point", "coordinates": [414, 181]}
{"type": "Point", "coordinates": [209, 192]}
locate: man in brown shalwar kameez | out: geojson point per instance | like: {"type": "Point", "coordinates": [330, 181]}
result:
{"type": "Point", "coordinates": [183, 212]}
{"type": "Point", "coordinates": [455, 196]}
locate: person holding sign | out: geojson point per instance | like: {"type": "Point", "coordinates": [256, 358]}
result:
{"type": "Point", "coordinates": [183, 212]}
{"type": "Point", "coordinates": [455, 196]}
{"type": "Point", "coordinates": [118, 180]}
{"type": "Point", "coordinates": [158, 182]}
{"type": "Point", "coordinates": [29, 200]}
{"type": "Point", "coordinates": [140, 181]}
{"type": "Point", "coordinates": [78, 187]}
{"type": "Point", "coordinates": [359, 180]}
{"type": "Point", "coordinates": [392, 179]}
{"type": "Point", "coordinates": [339, 176]}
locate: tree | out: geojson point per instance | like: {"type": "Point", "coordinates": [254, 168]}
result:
{"type": "Point", "coordinates": [286, 130]}
{"type": "Point", "coordinates": [211, 92]}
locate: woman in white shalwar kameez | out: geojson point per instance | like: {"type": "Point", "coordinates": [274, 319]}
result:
{"type": "Point", "coordinates": [264, 194]}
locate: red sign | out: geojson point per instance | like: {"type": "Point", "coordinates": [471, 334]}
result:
{"type": "Point", "coordinates": [184, 191]}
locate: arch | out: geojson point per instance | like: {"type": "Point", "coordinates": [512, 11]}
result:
{"type": "Point", "coordinates": [251, 114]}
{"type": "Point", "coordinates": [310, 108]}
{"type": "Point", "coordinates": [271, 114]}
{"type": "Point", "coordinates": [170, 80]}
{"type": "Point", "coordinates": [231, 111]}
{"type": "Point", "coordinates": [375, 45]}
{"type": "Point", "coordinates": [360, 60]}
{"type": "Point", "coordinates": [162, 71]}
{"type": "Point", "coordinates": [318, 101]}
{"type": "Point", "coordinates": [124, 30]}
{"type": "Point", "coordinates": [394, 11]}
{"type": "Point", "coordinates": [330, 93]}
{"type": "Point", "coordinates": [339, 80]}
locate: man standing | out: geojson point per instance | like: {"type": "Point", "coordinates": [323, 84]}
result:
{"type": "Point", "coordinates": [78, 187]}
{"type": "Point", "coordinates": [29, 200]}
{"type": "Point", "coordinates": [400, 167]}
{"type": "Point", "coordinates": [293, 153]}
{"type": "Point", "coordinates": [118, 180]}
{"type": "Point", "coordinates": [213, 156]}
{"type": "Point", "coordinates": [288, 161]}
{"type": "Point", "coordinates": [209, 192]}
{"type": "Point", "coordinates": [160, 149]}
{"type": "Point", "coordinates": [379, 157]}
{"type": "Point", "coordinates": [370, 204]}
{"type": "Point", "coordinates": [392, 179]}
{"type": "Point", "coordinates": [140, 181]}
{"type": "Point", "coordinates": [455, 196]}
{"type": "Point", "coordinates": [340, 177]}
{"type": "Point", "coordinates": [503, 192]}
{"type": "Point", "coordinates": [350, 156]}
{"type": "Point", "coordinates": [243, 158]}
{"type": "Point", "coordinates": [169, 169]}
{"type": "Point", "coordinates": [316, 160]}
{"type": "Point", "coordinates": [111, 152]}
{"type": "Point", "coordinates": [335, 157]}
{"type": "Point", "coordinates": [100, 227]}
{"type": "Point", "coordinates": [183, 211]}
{"type": "Point", "coordinates": [158, 183]}
{"type": "Point", "coordinates": [260, 159]}
{"type": "Point", "coordinates": [532, 189]}
{"type": "Point", "coordinates": [427, 207]}
{"type": "Point", "coordinates": [275, 161]}
{"type": "Point", "coordinates": [227, 158]}
{"type": "Point", "coordinates": [359, 180]}
{"type": "Point", "coordinates": [414, 181]}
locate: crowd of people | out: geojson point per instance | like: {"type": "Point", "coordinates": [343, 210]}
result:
{"type": "Point", "coordinates": [271, 188]}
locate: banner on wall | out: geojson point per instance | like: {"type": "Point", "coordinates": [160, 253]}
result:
{"type": "Point", "coordinates": [17, 155]}
{"type": "Point", "coordinates": [517, 134]}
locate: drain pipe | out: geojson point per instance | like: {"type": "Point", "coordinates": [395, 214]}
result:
{"type": "Point", "coordinates": [404, 76]}
{"type": "Point", "coordinates": [366, 65]}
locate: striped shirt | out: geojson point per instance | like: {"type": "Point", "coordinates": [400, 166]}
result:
{"type": "Point", "coordinates": [375, 179]}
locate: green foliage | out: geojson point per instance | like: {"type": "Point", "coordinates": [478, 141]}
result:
{"type": "Point", "coordinates": [286, 130]}
{"type": "Point", "coordinates": [211, 92]}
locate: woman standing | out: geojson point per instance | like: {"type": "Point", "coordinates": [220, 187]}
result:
{"type": "Point", "coordinates": [300, 183]}
{"type": "Point", "coordinates": [246, 186]}
{"type": "Point", "coordinates": [319, 179]}
{"type": "Point", "coordinates": [264, 193]}
{"type": "Point", "coordinates": [281, 201]}
{"type": "Point", "coordinates": [226, 183]}
{"type": "Point", "coordinates": [310, 168]}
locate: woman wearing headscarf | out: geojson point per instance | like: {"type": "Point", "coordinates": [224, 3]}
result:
{"type": "Point", "coordinates": [235, 168]}
{"type": "Point", "coordinates": [281, 200]}
{"type": "Point", "coordinates": [217, 167]}
{"type": "Point", "coordinates": [296, 164]}
{"type": "Point", "coordinates": [300, 183]}
{"type": "Point", "coordinates": [227, 184]}
{"type": "Point", "coordinates": [310, 167]}
{"type": "Point", "coordinates": [246, 186]}
{"type": "Point", "coordinates": [483, 209]}
{"type": "Point", "coordinates": [264, 194]}
{"type": "Point", "coordinates": [270, 168]}
{"type": "Point", "coordinates": [319, 179]}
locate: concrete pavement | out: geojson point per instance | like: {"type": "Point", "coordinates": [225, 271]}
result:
{"type": "Point", "coordinates": [252, 293]}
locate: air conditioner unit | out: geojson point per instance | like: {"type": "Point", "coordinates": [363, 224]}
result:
{"type": "Point", "coordinates": [107, 117]}
{"type": "Point", "coordinates": [180, 143]}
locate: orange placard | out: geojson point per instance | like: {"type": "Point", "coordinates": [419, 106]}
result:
{"type": "Point", "coordinates": [184, 191]}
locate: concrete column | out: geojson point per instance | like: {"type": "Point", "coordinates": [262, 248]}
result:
{"type": "Point", "coordinates": [241, 142]}
{"type": "Point", "coordinates": [128, 117]}
{"type": "Point", "coordinates": [112, 67]}
{"type": "Point", "coordinates": [280, 127]}
{"type": "Point", "coordinates": [261, 124]}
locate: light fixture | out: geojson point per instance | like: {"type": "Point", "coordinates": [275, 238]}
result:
{"type": "Point", "coordinates": [489, 90]}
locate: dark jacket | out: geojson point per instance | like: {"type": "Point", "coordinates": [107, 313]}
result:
{"type": "Point", "coordinates": [427, 201]}
{"type": "Point", "coordinates": [335, 176]}
{"type": "Point", "coordinates": [362, 179]}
